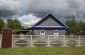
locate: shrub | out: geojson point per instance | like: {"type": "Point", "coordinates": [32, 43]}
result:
{"type": "Point", "coordinates": [56, 43]}
{"type": "Point", "coordinates": [21, 41]}
{"type": "Point", "coordinates": [39, 43]}
{"type": "Point", "coordinates": [21, 45]}
{"type": "Point", "coordinates": [83, 43]}
{"type": "Point", "coordinates": [71, 43]}
{"type": "Point", "coordinates": [16, 31]}
{"type": "Point", "coordinates": [30, 33]}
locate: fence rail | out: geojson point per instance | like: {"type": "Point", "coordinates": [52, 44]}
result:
{"type": "Point", "coordinates": [48, 40]}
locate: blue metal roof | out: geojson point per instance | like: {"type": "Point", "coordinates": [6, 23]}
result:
{"type": "Point", "coordinates": [55, 18]}
{"type": "Point", "coordinates": [62, 22]}
{"type": "Point", "coordinates": [49, 27]}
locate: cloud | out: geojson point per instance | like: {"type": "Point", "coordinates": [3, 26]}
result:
{"type": "Point", "coordinates": [12, 7]}
{"type": "Point", "coordinates": [9, 5]}
{"type": "Point", "coordinates": [27, 20]}
{"type": "Point", "coordinates": [39, 8]}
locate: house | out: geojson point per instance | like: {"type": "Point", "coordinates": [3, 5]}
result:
{"type": "Point", "coordinates": [49, 25]}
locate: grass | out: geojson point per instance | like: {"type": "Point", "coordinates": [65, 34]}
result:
{"type": "Point", "coordinates": [43, 51]}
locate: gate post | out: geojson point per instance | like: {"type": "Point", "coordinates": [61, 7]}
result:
{"type": "Point", "coordinates": [6, 38]}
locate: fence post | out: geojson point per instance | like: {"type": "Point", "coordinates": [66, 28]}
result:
{"type": "Point", "coordinates": [12, 41]}
{"type": "Point", "coordinates": [48, 43]}
{"type": "Point", "coordinates": [31, 42]}
{"type": "Point", "coordinates": [79, 41]}
{"type": "Point", "coordinates": [65, 45]}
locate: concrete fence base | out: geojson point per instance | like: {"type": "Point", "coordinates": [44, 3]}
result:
{"type": "Point", "coordinates": [7, 40]}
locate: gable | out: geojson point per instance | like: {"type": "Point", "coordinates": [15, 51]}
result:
{"type": "Point", "coordinates": [50, 21]}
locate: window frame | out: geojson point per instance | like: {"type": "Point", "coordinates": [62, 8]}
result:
{"type": "Point", "coordinates": [56, 34]}
{"type": "Point", "coordinates": [42, 33]}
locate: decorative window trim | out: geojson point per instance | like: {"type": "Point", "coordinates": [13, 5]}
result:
{"type": "Point", "coordinates": [42, 33]}
{"type": "Point", "coordinates": [56, 34]}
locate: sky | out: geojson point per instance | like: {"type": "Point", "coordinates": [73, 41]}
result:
{"type": "Point", "coordinates": [28, 12]}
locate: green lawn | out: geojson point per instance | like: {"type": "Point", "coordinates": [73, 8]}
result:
{"type": "Point", "coordinates": [44, 51]}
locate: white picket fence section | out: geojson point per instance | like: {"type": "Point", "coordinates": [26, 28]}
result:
{"type": "Point", "coordinates": [48, 40]}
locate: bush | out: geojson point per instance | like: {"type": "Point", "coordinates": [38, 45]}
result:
{"type": "Point", "coordinates": [83, 43]}
{"type": "Point", "coordinates": [16, 31]}
{"type": "Point", "coordinates": [30, 33]}
{"type": "Point", "coordinates": [21, 45]}
{"type": "Point", "coordinates": [21, 41]}
{"type": "Point", "coordinates": [40, 43]}
{"type": "Point", "coordinates": [56, 43]}
{"type": "Point", "coordinates": [71, 43]}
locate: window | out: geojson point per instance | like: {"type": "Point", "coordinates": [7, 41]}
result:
{"type": "Point", "coordinates": [42, 31]}
{"type": "Point", "coordinates": [55, 31]}
{"type": "Point", "coordinates": [55, 34]}
{"type": "Point", "coordinates": [49, 19]}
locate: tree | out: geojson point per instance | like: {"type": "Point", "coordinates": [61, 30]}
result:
{"type": "Point", "coordinates": [82, 26]}
{"type": "Point", "coordinates": [10, 23]}
{"type": "Point", "coordinates": [74, 28]}
{"type": "Point", "coordinates": [0, 13]}
{"type": "Point", "coordinates": [1, 24]}
{"type": "Point", "coordinates": [14, 24]}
